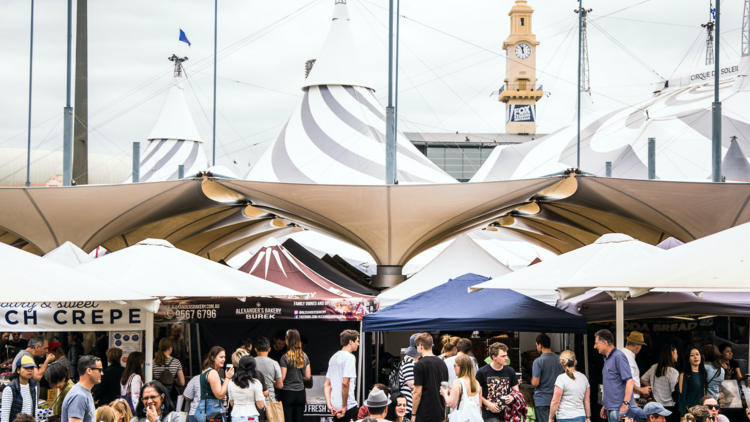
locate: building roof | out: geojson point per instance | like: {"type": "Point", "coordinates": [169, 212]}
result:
{"type": "Point", "coordinates": [474, 139]}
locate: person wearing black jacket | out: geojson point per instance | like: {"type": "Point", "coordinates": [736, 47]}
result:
{"type": "Point", "coordinates": [109, 389]}
{"type": "Point", "coordinates": [74, 352]}
{"type": "Point", "coordinates": [100, 349]}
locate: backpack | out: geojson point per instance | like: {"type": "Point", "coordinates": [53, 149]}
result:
{"type": "Point", "coordinates": [166, 377]}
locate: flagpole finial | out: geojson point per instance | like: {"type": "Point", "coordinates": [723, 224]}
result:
{"type": "Point", "coordinates": [177, 64]}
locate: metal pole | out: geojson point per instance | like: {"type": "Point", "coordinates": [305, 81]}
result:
{"type": "Point", "coordinates": [149, 362]}
{"type": "Point", "coordinates": [181, 171]}
{"type": "Point", "coordinates": [68, 110]}
{"type": "Point", "coordinates": [651, 158]}
{"type": "Point", "coordinates": [31, 66]}
{"type": "Point", "coordinates": [390, 135]}
{"type": "Point", "coordinates": [216, 20]}
{"type": "Point", "coordinates": [620, 321]}
{"type": "Point", "coordinates": [586, 353]}
{"type": "Point", "coordinates": [136, 162]}
{"type": "Point", "coordinates": [361, 386]}
{"type": "Point", "coordinates": [580, 37]}
{"type": "Point", "coordinates": [716, 106]}
{"type": "Point", "coordinates": [608, 168]}
{"type": "Point", "coordinates": [377, 358]}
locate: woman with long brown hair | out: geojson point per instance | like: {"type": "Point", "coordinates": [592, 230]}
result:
{"type": "Point", "coordinates": [295, 370]}
{"type": "Point", "coordinates": [464, 395]}
{"type": "Point", "coordinates": [165, 362]}
{"type": "Point", "coordinates": [213, 387]}
{"type": "Point", "coordinates": [571, 399]}
{"type": "Point", "coordinates": [132, 379]}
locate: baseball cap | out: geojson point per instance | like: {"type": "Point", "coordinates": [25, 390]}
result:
{"type": "Point", "coordinates": [412, 349]}
{"type": "Point", "coordinates": [53, 345]}
{"type": "Point", "coordinates": [635, 413]}
{"type": "Point", "coordinates": [26, 362]}
{"type": "Point", "coordinates": [655, 408]}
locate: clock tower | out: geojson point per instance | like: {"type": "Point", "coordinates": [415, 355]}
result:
{"type": "Point", "coordinates": [520, 93]}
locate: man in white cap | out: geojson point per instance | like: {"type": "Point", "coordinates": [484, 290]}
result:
{"type": "Point", "coordinates": [377, 404]}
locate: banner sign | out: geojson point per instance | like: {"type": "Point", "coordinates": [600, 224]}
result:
{"type": "Point", "coordinates": [705, 74]}
{"type": "Point", "coordinates": [72, 316]}
{"type": "Point", "coordinates": [258, 308]}
{"type": "Point", "coordinates": [656, 325]}
{"type": "Point", "coordinates": [520, 113]}
{"type": "Point", "coordinates": [127, 341]}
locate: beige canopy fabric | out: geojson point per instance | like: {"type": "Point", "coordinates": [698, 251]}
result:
{"type": "Point", "coordinates": [218, 218]}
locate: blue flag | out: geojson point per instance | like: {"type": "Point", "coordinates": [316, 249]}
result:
{"type": "Point", "coordinates": [713, 10]}
{"type": "Point", "coordinates": [183, 37]}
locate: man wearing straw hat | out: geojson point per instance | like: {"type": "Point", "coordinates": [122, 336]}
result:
{"type": "Point", "coordinates": [633, 344]}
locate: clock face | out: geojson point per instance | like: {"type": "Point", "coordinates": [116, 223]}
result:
{"type": "Point", "coordinates": [523, 51]}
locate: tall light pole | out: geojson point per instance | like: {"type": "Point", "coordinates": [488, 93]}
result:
{"type": "Point", "coordinates": [31, 67]}
{"type": "Point", "coordinates": [391, 169]}
{"type": "Point", "coordinates": [216, 31]}
{"type": "Point", "coordinates": [67, 175]}
{"type": "Point", "coordinates": [716, 106]}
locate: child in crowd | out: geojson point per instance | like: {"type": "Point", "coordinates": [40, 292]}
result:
{"type": "Point", "coordinates": [528, 396]}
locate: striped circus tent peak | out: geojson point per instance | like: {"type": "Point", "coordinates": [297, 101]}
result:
{"type": "Point", "coordinates": [337, 133]}
{"type": "Point", "coordinates": [173, 141]}
{"type": "Point", "coordinates": [337, 136]}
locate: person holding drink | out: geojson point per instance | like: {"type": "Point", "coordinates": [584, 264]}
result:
{"type": "Point", "coordinates": [496, 381]}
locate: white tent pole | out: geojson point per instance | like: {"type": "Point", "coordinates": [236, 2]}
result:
{"type": "Point", "coordinates": [149, 346]}
{"type": "Point", "coordinates": [586, 353]}
{"type": "Point", "coordinates": [620, 317]}
{"type": "Point", "coordinates": [361, 363]}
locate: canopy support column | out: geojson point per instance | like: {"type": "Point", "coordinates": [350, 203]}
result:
{"type": "Point", "coordinates": [149, 366]}
{"type": "Point", "coordinates": [586, 353]}
{"type": "Point", "coordinates": [388, 276]}
{"type": "Point", "coordinates": [619, 298]}
{"type": "Point", "coordinates": [360, 372]}
{"type": "Point", "coordinates": [716, 107]}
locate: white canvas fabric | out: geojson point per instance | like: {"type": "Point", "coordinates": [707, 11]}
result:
{"type": "Point", "coordinates": [68, 255]}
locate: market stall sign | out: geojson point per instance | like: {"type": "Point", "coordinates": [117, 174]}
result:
{"type": "Point", "coordinates": [656, 325]}
{"type": "Point", "coordinates": [72, 316]}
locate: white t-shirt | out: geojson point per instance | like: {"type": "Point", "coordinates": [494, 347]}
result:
{"type": "Point", "coordinates": [244, 398]}
{"type": "Point", "coordinates": [633, 369]}
{"type": "Point", "coordinates": [574, 391]}
{"type": "Point", "coordinates": [452, 372]}
{"type": "Point", "coordinates": [342, 365]}
{"type": "Point", "coordinates": [8, 400]}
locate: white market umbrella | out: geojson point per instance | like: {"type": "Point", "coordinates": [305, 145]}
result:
{"type": "Point", "coordinates": [157, 267]}
{"type": "Point", "coordinates": [30, 278]}
{"type": "Point", "coordinates": [610, 254]}
{"type": "Point", "coordinates": [69, 255]}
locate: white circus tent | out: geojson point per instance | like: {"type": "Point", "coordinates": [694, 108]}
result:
{"type": "Point", "coordinates": [678, 117]}
{"type": "Point", "coordinates": [337, 133]}
{"type": "Point", "coordinates": [174, 140]}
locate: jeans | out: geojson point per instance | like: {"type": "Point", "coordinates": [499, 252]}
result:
{"type": "Point", "coordinates": [613, 415]}
{"type": "Point", "coordinates": [542, 413]}
{"type": "Point", "coordinates": [293, 403]}
{"type": "Point", "coordinates": [578, 419]}
{"type": "Point", "coordinates": [207, 407]}
{"type": "Point", "coordinates": [191, 418]}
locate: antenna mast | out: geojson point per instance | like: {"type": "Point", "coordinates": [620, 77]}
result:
{"type": "Point", "coordinates": [709, 42]}
{"type": "Point", "coordinates": [585, 80]}
{"type": "Point", "coordinates": [746, 29]}
{"type": "Point", "coordinates": [177, 64]}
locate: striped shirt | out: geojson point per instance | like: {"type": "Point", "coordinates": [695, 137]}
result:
{"type": "Point", "coordinates": [193, 392]}
{"type": "Point", "coordinates": [7, 400]}
{"type": "Point", "coordinates": [174, 366]}
{"type": "Point", "coordinates": [405, 374]}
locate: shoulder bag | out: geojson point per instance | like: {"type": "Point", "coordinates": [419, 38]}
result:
{"type": "Point", "coordinates": [274, 411]}
{"type": "Point", "coordinates": [128, 394]}
{"type": "Point", "coordinates": [469, 413]}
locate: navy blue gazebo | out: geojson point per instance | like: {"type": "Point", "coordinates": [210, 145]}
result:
{"type": "Point", "coordinates": [450, 307]}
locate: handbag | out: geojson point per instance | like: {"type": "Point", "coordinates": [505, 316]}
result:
{"type": "Point", "coordinates": [308, 384]}
{"type": "Point", "coordinates": [216, 416]}
{"type": "Point", "coordinates": [469, 413]}
{"type": "Point", "coordinates": [274, 411]}
{"type": "Point", "coordinates": [127, 397]}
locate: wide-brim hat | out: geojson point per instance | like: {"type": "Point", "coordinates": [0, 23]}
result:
{"type": "Point", "coordinates": [377, 398]}
{"type": "Point", "coordinates": [636, 337]}
{"type": "Point", "coordinates": [412, 350]}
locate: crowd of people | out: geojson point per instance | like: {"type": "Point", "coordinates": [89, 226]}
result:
{"type": "Point", "coordinates": [427, 387]}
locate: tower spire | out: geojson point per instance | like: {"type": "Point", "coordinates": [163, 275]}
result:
{"type": "Point", "coordinates": [585, 81]}
{"type": "Point", "coordinates": [746, 29]}
{"type": "Point", "coordinates": [709, 41]}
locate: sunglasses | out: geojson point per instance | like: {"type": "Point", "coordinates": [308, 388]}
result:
{"type": "Point", "coordinates": [147, 398]}
{"type": "Point", "coordinates": [712, 406]}
{"type": "Point", "coordinates": [101, 370]}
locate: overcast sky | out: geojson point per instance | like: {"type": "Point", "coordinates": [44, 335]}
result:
{"type": "Point", "coordinates": [451, 60]}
